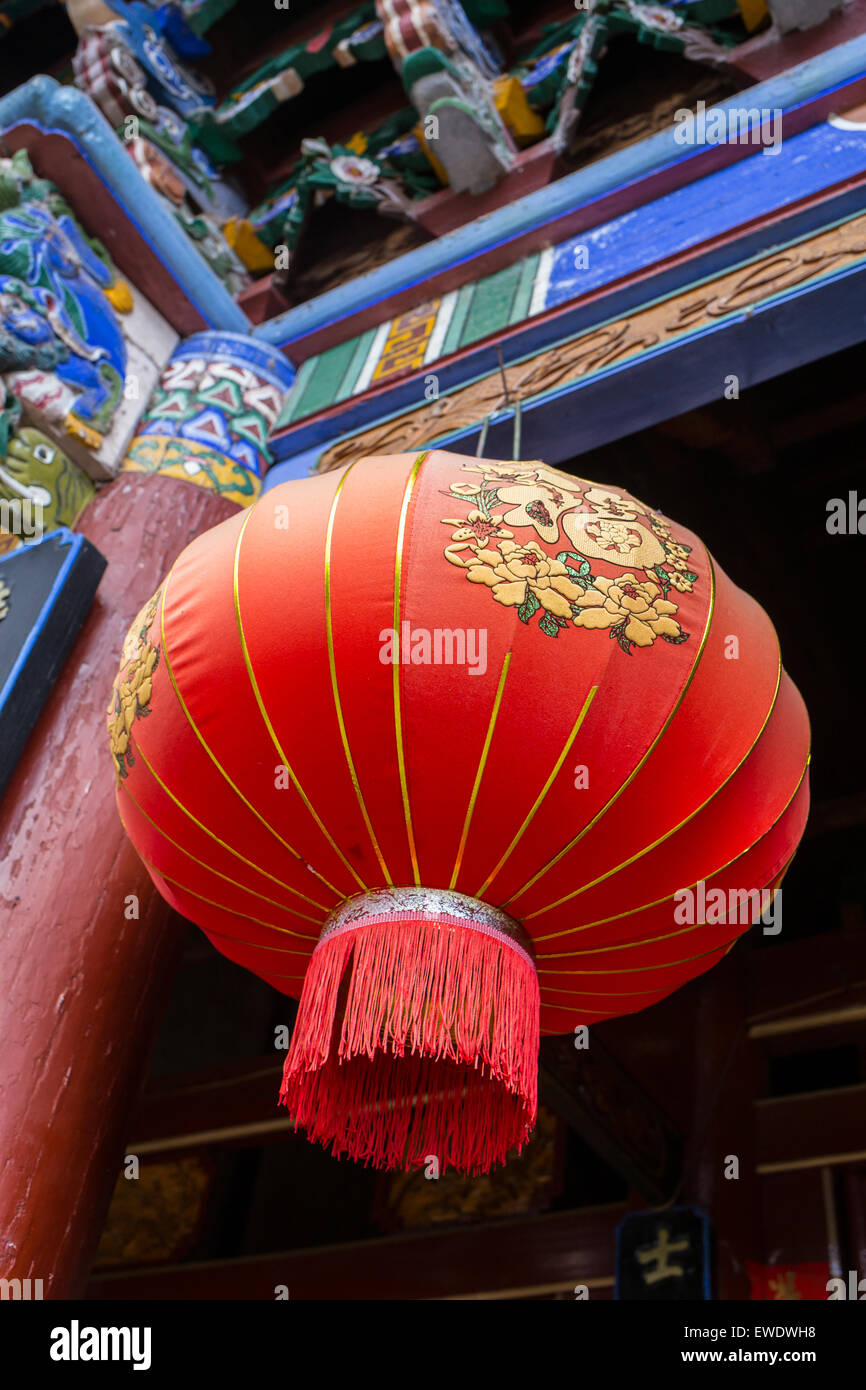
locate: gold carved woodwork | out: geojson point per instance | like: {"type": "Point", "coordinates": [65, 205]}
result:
{"type": "Point", "coordinates": [155, 1217]}
{"type": "Point", "coordinates": [598, 348]}
{"type": "Point", "coordinates": [526, 1183]}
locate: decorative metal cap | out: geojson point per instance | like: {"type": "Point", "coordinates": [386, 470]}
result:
{"type": "Point", "coordinates": [435, 905]}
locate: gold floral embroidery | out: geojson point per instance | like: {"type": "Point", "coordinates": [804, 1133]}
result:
{"type": "Point", "coordinates": [628, 604]}
{"type": "Point", "coordinates": [477, 530]}
{"type": "Point", "coordinates": [620, 542]}
{"type": "Point", "coordinates": [660, 525]}
{"type": "Point", "coordinates": [519, 574]}
{"type": "Point", "coordinates": [677, 555]}
{"type": "Point", "coordinates": [681, 582]}
{"type": "Point", "coordinates": [561, 589]}
{"type": "Point", "coordinates": [503, 474]}
{"type": "Point", "coordinates": [133, 685]}
{"type": "Point", "coordinates": [538, 495]}
{"type": "Point", "coordinates": [611, 504]}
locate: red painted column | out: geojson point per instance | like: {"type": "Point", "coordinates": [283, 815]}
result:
{"type": "Point", "coordinates": [80, 983]}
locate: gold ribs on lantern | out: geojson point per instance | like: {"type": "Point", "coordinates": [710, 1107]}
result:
{"type": "Point", "coordinates": [455, 856]}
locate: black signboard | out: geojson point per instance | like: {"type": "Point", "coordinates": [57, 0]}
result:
{"type": "Point", "coordinates": [663, 1255]}
{"type": "Point", "coordinates": [46, 590]}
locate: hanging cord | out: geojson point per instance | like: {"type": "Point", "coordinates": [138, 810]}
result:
{"type": "Point", "coordinates": [518, 419]}
{"type": "Point", "coordinates": [482, 438]}
{"type": "Point", "coordinates": [515, 447]}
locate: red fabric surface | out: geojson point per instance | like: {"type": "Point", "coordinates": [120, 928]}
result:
{"type": "Point", "coordinates": [696, 762]}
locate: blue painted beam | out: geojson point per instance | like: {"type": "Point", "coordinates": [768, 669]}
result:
{"type": "Point", "coordinates": [52, 108]}
{"type": "Point", "coordinates": [828, 72]}
{"type": "Point", "coordinates": [783, 333]}
{"type": "Point", "coordinates": [803, 166]}
{"type": "Point", "coordinates": [778, 336]}
{"type": "Point", "coordinates": [536, 334]}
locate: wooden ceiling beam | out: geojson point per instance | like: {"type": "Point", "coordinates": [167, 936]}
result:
{"type": "Point", "coordinates": [220, 1106]}
{"type": "Point", "coordinates": [818, 972]}
{"type": "Point", "coordinates": [817, 1129]}
{"type": "Point", "coordinates": [555, 1250]}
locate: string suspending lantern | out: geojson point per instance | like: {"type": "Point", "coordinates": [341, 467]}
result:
{"type": "Point", "coordinates": [443, 746]}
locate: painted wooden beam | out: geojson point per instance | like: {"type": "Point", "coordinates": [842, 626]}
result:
{"type": "Point", "coordinates": [559, 1250]}
{"type": "Point", "coordinates": [670, 379]}
{"type": "Point", "coordinates": [77, 141]}
{"type": "Point", "coordinates": [811, 1130]}
{"type": "Point", "coordinates": [235, 1104]}
{"type": "Point", "coordinates": [807, 93]}
{"type": "Point", "coordinates": [358, 395]}
{"type": "Point", "coordinates": [804, 977]}
{"type": "Point", "coordinates": [670, 357]}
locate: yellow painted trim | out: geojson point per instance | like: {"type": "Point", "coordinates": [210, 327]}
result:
{"type": "Point", "coordinates": [655, 844]}
{"type": "Point", "coordinates": [211, 902]}
{"type": "Point", "coordinates": [632, 912]}
{"type": "Point", "coordinates": [596, 993]}
{"type": "Point", "coordinates": [260, 946]}
{"type": "Point", "coordinates": [663, 965]}
{"type": "Point", "coordinates": [754, 13]}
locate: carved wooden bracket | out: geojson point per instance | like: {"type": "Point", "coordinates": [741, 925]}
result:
{"type": "Point", "coordinates": [604, 1104]}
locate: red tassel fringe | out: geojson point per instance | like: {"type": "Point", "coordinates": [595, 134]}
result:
{"type": "Point", "coordinates": [434, 1051]}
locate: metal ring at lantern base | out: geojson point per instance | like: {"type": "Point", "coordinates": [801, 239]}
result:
{"type": "Point", "coordinates": [437, 905]}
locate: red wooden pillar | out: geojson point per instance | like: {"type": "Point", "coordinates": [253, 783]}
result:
{"type": "Point", "coordinates": [82, 976]}
{"type": "Point", "coordinates": [81, 982]}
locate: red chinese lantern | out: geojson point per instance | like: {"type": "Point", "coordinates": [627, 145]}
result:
{"type": "Point", "coordinates": [455, 750]}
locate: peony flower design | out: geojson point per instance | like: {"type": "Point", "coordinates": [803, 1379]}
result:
{"type": "Point", "coordinates": [560, 588]}
{"type": "Point", "coordinates": [133, 686]}
{"type": "Point", "coordinates": [660, 525]}
{"type": "Point", "coordinates": [679, 575]}
{"type": "Point", "coordinates": [614, 535]}
{"type": "Point", "coordinates": [633, 611]}
{"type": "Point", "coordinates": [522, 576]}
{"type": "Point", "coordinates": [678, 556]}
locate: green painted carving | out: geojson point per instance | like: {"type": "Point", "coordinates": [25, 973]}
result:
{"type": "Point", "coordinates": [40, 488]}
